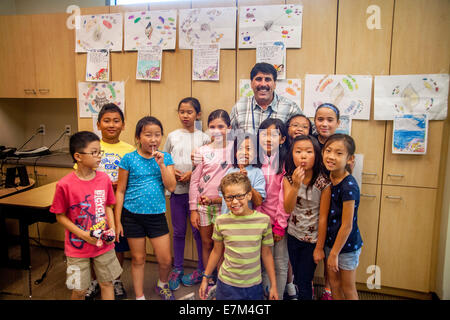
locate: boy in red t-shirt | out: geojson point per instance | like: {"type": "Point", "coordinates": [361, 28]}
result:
{"type": "Point", "coordinates": [82, 204]}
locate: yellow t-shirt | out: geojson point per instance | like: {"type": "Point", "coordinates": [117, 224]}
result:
{"type": "Point", "coordinates": [111, 158]}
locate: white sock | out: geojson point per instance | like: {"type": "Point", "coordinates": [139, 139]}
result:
{"type": "Point", "coordinates": [290, 289]}
{"type": "Point", "coordinates": [161, 284]}
{"type": "Point", "coordinates": [141, 298]}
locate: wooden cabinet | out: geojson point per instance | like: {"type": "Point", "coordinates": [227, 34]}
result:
{"type": "Point", "coordinates": [37, 57]}
{"type": "Point", "coordinates": [405, 237]}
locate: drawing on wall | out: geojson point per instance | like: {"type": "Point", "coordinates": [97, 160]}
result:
{"type": "Point", "coordinates": [345, 125]}
{"type": "Point", "coordinates": [274, 53]}
{"type": "Point", "coordinates": [288, 88]}
{"type": "Point", "coordinates": [410, 134]}
{"type": "Point", "coordinates": [92, 96]}
{"type": "Point", "coordinates": [149, 64]}
{"type": "Point", "coordinates": [150, 28]}
{"type": "Point", "coordinates": [97, 65]}
{"type": "Point", "coordinates": [207, 25]}
{"type": "Point", "coordinates": [358, 169]}
{"type": "Point", "coordinates": [206, 62]}
{"type": "Point", "coordinates": [102, 31]}
{"type": "Point", "coordinates": [419, 93]}
{"type": "Point", "coordinates": [351, 94]}
{"type": "Point", "coordinates": [275, 23]}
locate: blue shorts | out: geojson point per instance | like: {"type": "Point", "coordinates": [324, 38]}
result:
{"type": "Point", "coordinates": [346, 260]}
{"type": "Point", "coordinates": [227, 292]}
{"type": "Point", "coordinates": [122, 245]}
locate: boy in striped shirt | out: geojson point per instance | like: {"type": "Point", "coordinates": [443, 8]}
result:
{"type": "Point", "coordinates": [246, 236]}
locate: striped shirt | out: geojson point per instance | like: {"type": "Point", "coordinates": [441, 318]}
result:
{"type": "Point", "coordinates": [248, 115]}
{"type": "Point", "coordinates": [242, 237]}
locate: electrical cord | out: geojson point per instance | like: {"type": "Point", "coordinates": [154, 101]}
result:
{"type": "Point", "coordinates": [34, 135]}
{"type": "Point", "coordinates": [40, 280]}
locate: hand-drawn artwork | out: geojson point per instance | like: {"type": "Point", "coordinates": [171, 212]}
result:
{"type": "Point", "coordinates": [289, 88]}
{"type": "Point", "coordinates": [149, 64]}
{"type": "Point", "coordinates": [150, 28]}
{"type": "Point", "coordinates": [275, 23]}
{"type": "Point", "coordinates": [418, 93]}
{"type": "Point", "coordinates": [273, 52]}
{"type": "Point", "coordinates": [103, 31]}
{"type": "Point", "coordinates": [92, 96]}
{"type": "Point", "coordinates": [207, 25]}
{"type": "Point", "coordinates": [345, 125]}
{"type": "Point", "coordinates": [351, 94]}
{"type": "Point", "coordinates": [410, 134]}
{"type": "Point", "coordinates": [97, 65]}
{"type": "Point", "coordinates": [206, 61]}
{"type": "Point", "coordinates": [358, 169]}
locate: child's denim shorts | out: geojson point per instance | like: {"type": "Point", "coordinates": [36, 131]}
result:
{"type": "Point", "coordinates": [347, 260]}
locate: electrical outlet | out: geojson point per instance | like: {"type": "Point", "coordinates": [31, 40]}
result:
{"type": "Point", "coordinates": [68, 130]}
{"type": "Point", "coordinates": [42, 129]}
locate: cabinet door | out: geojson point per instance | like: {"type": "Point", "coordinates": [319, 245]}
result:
{"type": "Point", "coordinates": [405, 237]}
{"type": "Point", "coordinates": [53, 45]}
{"type": "Point", "coordinates": [368, 216]}
{"type": "Point", "coordinates": [17, 79]}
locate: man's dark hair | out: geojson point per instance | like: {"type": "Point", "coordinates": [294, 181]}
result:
{"type": "Point", "coordinates": [79, 141]}
{"type": "Point", "coordinates": [265, 68]}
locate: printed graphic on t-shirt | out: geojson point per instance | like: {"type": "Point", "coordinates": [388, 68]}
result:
{"type": "Point", "coordinates": [110, 165]}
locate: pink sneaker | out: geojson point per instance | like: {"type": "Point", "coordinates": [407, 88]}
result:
{"type": "Point", "coordinates": [326, 295]}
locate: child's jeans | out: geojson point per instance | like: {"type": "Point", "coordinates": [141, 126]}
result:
{"type": "Point", "coordinates": [281, 260]}
{"type": "Point", "coordinates": [227, 292]}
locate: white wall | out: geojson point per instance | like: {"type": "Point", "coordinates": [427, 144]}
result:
{"type": "Point", "coordinates": [53, 6]}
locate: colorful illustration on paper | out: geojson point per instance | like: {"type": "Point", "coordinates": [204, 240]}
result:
{"type": "Point", "coordinates": [149, 64]}
{"type": "Point", "coordinates": [420, 93]}
{"type": "Point", "coordinates": [150, 28]}
{"type": "Point", "coordinates": [351, 94]}
{"type": "Point", "coordinates": [274, 23]}
{"type": "Point", "coordinates": [103, 31]}
{"type": "Point", "coordinates": [274, 53]}
{"type": "Point", "coordinates": [207, 25]}
{"type": "Point", "coordinates": [92, 96]}
{"type": "Point", "coordinates": [345, 125]}
{"type": "Point", "coordinates": [97, 65]}
{"type": "Point", "coordinates": [206, 62]}
{"type": "Point", "coordinates": [288, 88]}
{"type": "Point", "coordinates": [410, 134]}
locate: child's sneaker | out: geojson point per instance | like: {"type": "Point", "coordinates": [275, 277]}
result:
{"type": "Point", "coordinates": [119, 291]}
{"type": "Point", "coordinates": [193, 278]}
{"type": "Point", "coordinates": [211, 291]}
{"type": "Point", "coordinates": [175, 279]}
{"type": "Point", "coordinates": [326, 295]}
{"type": "Point", "coordinates": [93, 290]}
{"type": "Point", "coordinates": [164, 292]}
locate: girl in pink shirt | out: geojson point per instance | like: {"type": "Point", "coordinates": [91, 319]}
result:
{"type": "Point", "coordinates": [272, 134]}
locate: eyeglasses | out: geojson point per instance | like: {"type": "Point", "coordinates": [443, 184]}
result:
{"type": "Point", "coordinates": [236, 196]}
{"type": "Point", "coordinates": [299, 126]}
{"type": "Point", "coordinates": [95, 153]}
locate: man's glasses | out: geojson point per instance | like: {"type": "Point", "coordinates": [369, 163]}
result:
{"type": "Point", "coordinates": [95, 153]}
{"type": "Point", "coordinates": [236, 196]}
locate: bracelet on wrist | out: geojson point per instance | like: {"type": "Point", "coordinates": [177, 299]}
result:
{"type": "Point", "coordinates": [208, 276]}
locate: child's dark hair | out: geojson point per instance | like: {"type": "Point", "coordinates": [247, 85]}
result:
{"type": "Point", "coordinates": [283, 148]}
{"type": "Point", "coordinates": [79, 141]}
{"type": "Point", "coordinates": [349, 144]}
{"type": "Point", "coordinates": [146, 121]}
{"type": "Point", "coordinates": [317, 167]}
{"type": "Point", "coordinates": [235, 178]}
{"type": "Point", "coordinates": [110, 107]}
{"type": "Point", "coordinates": [193, 102]}
{"type": "Point", "coordinates": [329, 106]}
{"type": "Point", "coordinates": [288, 123]}
{"type": "Point", "coordinates": [237, 143]}
{"type": "Point", "coordinates": [220, 114]}
{"type": "Point", "coordinates": [265, 68]}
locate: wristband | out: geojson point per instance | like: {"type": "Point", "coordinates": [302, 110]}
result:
{"type": "Point", "coordinates": [207, 276]}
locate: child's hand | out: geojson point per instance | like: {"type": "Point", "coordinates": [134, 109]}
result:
{"type": "Point", "coordinates": [242, 170]}
{"type": "Point", "coordinates": [196, 157]}
{"type": "Point", "coordinates": [185, 177]}
{"type": "Point", "coordinates": [159, 157]}
{"type": "Point", "coordinates": [87, 237]}
{"type": "Point", "coordinates": [318, 255]}
{"type": "Point", "coordinates": [273, 293]}
{"type": "Point", "coordinates": [119, 231]}
{"type": "Point", "coordinates": [178, 174]}
{"type": "Point", "coordinates": [110, 234]}
{"type": "Point", "coordinates": [332, 263]}
{"type": "Point", "coordinates": [205, 201]}
{"type": "Point", "coordinates": [203, 288]}
{"type": "Point", "coordinates": [297, 176]}
{"type": "Point", "coordinates": [195, 219]}
{"type": "Point", "coordinates": [277, 237]}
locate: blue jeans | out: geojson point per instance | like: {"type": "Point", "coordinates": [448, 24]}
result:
{"type": "Point", "coordinates": [281, 261]}
{"type": "Point", "coordinates": [303, 265]}
{"type": "Point", "coordinates": [227, 292]}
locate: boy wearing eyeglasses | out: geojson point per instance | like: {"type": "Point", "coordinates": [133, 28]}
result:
{"type": "Point", "coordinates": [82, 204]}
{"type": "Point", "coordinates": [246, 236]}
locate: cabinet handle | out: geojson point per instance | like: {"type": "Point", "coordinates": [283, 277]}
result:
{"type": "Point", "coordinates": [44, 90]}
{"type": "Point", "coordinates": [369, 173]}
{"type": "Point", "coordinates": [30, 91]}
{"type": "Point", "coordinates": [396, 175]}
{"type": "Point", "coordinates": [368, 195]}
{"type": "Point", "coordinates": [394, 197]}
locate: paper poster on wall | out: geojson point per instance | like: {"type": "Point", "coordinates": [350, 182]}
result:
{"type": "Point", "coordinates": [345, 125]}
{"type": "Point", "coordinates": [150, 28]}
{"type": "Point", "coordinates": [92, 96]}
{"type": "Point", "coordinates": [149, 64]}
{"type": "Point", "coordinates": [102, 31]}
{"type": "Point", "coordinates": [418, 93]}
{"type": "Point", "coordinates": [288, 88]}
{"type": "Point", "coordinates": [410, 134]}
{"type": "Point", "coordinates": [274, 53]}
{"type": "Point", "coordinates": [277, 22]}
{"type": "Point", "coordinates": [97, 65]}
{"type": "Point", "coordinates": [207, 25]}
{"type": "Point", "coordinates": [94, 126]}
{"type": "Point", "coordinates": [206, 61]}
{"type": "Point", "coordinates": [358, 168]}
{"type": "Point", "coordinates": [351, 94]}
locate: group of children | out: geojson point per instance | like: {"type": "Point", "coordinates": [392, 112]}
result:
{"type": "Point", "coordinates": [285, 197]}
